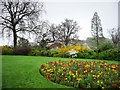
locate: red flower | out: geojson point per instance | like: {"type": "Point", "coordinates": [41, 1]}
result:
{"type": "Point", "coordinates": [48, 79]}
{"type": "Point", "coordinates": [42, 66]}
{"type": "Point", "coordinates": [83, 69]}
{"type": "Point", "coordinates": [64, 70]}
{"type": "Point", "coordinates": [92, 69]}
{"type": "Point", "coordinates": [101, 66]}
{"type": "Point", "coordinates": [63, 78]}
{"type": "Point", "coordinates": [114, 85]}
{"type": "Point", "coordinates": [102, 77]}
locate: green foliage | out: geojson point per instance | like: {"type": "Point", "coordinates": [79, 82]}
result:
{"type": "Point", "coordinates": [87, 55]}
{"type": "Point", "coordinates": [6, 50]}
{"type": "Point", "coordinates": [111, 54]}
{"type": "Point", "coordinates": [105, 46]}
{"type": "Point", "coordinates": [34, 52]}
{"type": "Point", "coordinates": [64, 55]}
{"type": "Point", "coordinates": [94, 55]}
{"type": "Point", "coordinates": [80, 55]}
{"type": "Point", "coordinates": [53, 53]}
{"type": "Point", "coordinates": [42, 52]}
{"type": "Point", "coordinates": [45, 53]}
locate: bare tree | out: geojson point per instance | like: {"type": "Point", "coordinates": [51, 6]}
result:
{"type": "Point", "coordinates": [46, 33]}
{"type": "Point", "coordinates": [19, 16]}
{"type": "Point", "coordinates": [115, 36]}
{"type": "Point", "coordinates": [67, 31]}
{"type": "Point", "coordinates": [22, 42]}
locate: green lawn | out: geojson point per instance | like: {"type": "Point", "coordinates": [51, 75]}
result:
{"type": "Point", "coordinates": [23, 72]}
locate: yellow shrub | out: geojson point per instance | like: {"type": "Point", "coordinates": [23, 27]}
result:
{"type": "Point", "coordinates": [6, 50]}
{"type": "Point", "coordinates": [78, 48]}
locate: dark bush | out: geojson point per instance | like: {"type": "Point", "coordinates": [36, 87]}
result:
{"type": "Point", "coordinates": [87, 55]}
{"type": "Point", "coordinates": [64, 55]}
{"type": "Point", "coordinates": [67, 55]}
{"type": "Point", "coordinates": [42, 52]}
{"type": "Point", "coordinates": [21, 51]}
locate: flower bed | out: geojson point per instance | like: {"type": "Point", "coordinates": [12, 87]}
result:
{"type": "Point", "coordinates": [82, 74]}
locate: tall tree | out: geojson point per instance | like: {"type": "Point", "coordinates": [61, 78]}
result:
{"type": "Point", "coordinates": [67, 31]}
{"type": "Point", "coordinates": [96, 28]}
{"type": "Point", "coordinates": [19, 16]}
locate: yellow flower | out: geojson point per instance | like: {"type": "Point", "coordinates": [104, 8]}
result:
{"type": "Point", "coordinates": [65, 78]}
{"type": "Point", "coordinates": [79, 79]}
{"type": "Point", "coordinates": [98, 76]}
{"type": "Point", "coordinates": [73, 75]}
{"type": "Point", "coordinates": [101, 82]}
{"type": "Point", "coordinates": [97, 81]}
{"type": "Point", "coordinates": [102, 87]}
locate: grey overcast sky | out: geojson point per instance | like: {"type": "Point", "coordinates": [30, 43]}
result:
{"type": "Point", "coordinates": [82, 12]}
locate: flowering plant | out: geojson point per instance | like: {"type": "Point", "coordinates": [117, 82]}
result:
{"type": "Point", "coordinates": [82, 74]}
{"type": "Point", "coordinates": [73, 53]}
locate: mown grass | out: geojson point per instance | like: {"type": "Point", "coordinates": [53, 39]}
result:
{"type": "Point", "coordinates": [23, 71]}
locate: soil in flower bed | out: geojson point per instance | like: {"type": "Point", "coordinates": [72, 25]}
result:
{"type": "Point", "coordinates": [82, 74]}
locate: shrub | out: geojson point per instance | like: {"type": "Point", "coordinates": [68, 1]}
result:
{"type": "Point", "coordinates": [6, 50]}
{"type": "Point", "coordinates": [87, 55]}
{"type": "Point", "coordinates": [73, 53]}
{"type": "Point", "coordinates": [45, 53]}
{"type": "Point", "coordinates": [34, 52]}
{"type": "Point", "coordinates": [53, 53]}
{"type": "Point", "coordinates": [94, 55]}
{"type": "Point", "coordinates": [64, 55]}
{"type": "Point", "coordinates": [80, 55]}
{"type": "Point", "coordinates": [65, 49]}
{"type": "Point", "coordinates": [111, 54]}
{"type": "Point", "coordinates": [21, 51]}
{"type": "Point", "coordinates": [105, 46]}
{"type": "Point", "coordinates": [42, 52]}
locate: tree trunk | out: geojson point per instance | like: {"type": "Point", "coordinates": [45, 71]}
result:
{"type": "Point", "coordinates": [15, 38]}
{"type": "Point", "coordinates": [97, 43]}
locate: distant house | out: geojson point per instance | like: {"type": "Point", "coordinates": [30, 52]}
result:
{"type": "Point", "coordinates": [55, 46]}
